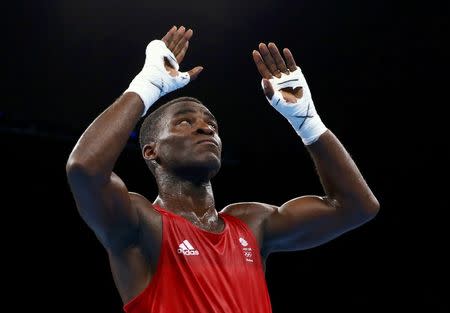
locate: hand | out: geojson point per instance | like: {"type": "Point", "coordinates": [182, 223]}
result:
{"type": "Point", "coordinates": [160, 73]}
{"type": "Point", "coordinates": [286, 90]}
{"type": "Point", "coordinates": [177, 41]}
{"type": "Point", "coordinates": [270, 63]}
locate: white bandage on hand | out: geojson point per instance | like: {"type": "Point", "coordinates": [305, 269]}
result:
{"type": "Point", "coordinates": [302, 114]}
{"type": "Point", "coordinates": [154, 81]}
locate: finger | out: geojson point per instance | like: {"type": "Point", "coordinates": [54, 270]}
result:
{"type": "Point", "coordinates": [268, 89]}
{"type": "Point", "coordinates": [168, 37]}
{"type": "Point", "coordinates": [180, 45]}
{"type": "Point", "coordinates": [262, 68]}
{"type": "Point", "coordinates": [180, 55]}
{"type": "Point", "coordinates": [268, 60]}
{"type": "Point", "coordinates": [194, 72]}
{"type": "Point", "coordinates": [289, 59]}
{"type": "Point", "coordinates": [176, 38]}
{"type": "Point", "coordinates": [277, 58]}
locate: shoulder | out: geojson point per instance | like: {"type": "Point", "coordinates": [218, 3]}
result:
{"type": "Point", "coordinates": [138, 200]}
{"type": "Point", "coordinates": [254, 214]}
{"type": "Point", "coordinates": [143, 206]}
{"type": "Point", "coordinates": [246, 209]}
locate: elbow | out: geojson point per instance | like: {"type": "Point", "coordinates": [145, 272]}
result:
{"type": "Point", "coordinates": [373, 206]}
{"type": "Point", "coordinates": [361, 211]}
{"type": "Point", "coordinates": [77, 170]}
{"type": "Point", "coordinates": [369, 209]}
{"type": "Point", "coordinates": [74, 166]}
{"type": "Point", "coordinates": [82, 161]}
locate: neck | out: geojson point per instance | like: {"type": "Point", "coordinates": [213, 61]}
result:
{"type": "Point", "coordinates": [186, 197]}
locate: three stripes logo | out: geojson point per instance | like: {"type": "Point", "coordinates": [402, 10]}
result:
{"type": "Point", "coordinates": [187, 249]}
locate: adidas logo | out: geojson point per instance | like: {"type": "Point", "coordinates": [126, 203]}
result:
{"type": "Point", "coordinates": [187, 249]}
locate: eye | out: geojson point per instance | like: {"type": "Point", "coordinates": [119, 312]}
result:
{"type": "Point", "coordinates": [184, 122]}
{"type": "Point", "coordinates": [213, 125]}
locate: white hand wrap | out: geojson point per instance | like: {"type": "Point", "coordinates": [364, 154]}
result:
{"type": "Point", "coordinates": [153, 81]}
{"type": "Point", "coordinates": [302, 114]}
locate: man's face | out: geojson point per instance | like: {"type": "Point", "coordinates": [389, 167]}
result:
{"type": "Point", "coordinates": [188, 140]}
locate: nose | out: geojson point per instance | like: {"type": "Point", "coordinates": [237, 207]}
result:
{"type": "Point", "coordinates": [204, 128]}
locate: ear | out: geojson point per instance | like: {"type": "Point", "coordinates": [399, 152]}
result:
{"type": "Point", "coordinates": [149, 151]}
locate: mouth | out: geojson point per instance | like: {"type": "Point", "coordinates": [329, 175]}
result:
{"type": "Point", "coordinates": [208, 142]}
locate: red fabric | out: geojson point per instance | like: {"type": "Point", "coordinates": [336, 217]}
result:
{"type": "Point", "coordinates": [208, 273]}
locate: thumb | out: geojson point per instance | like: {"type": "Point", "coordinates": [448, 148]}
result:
{"type": "Point", "coordinates": [193, 73]}
{"type": "Point", "coordinates": [268, 89]}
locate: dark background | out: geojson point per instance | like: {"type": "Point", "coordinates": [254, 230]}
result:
{"type": "Point", "coordinates": [378, 75]}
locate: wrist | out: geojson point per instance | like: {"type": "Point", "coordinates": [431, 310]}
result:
{"type": "Point", "coordinates": [311, 129]}
{"type": "Point", "coordinates": [304, 119]}
{"type": "Point", "coordinates": [146, 90]}
{"type": "Point", "coordinates": [302, 116]}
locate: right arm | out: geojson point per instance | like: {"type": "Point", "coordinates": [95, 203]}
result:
{"type": "Point", "coordinates": [102, 198]}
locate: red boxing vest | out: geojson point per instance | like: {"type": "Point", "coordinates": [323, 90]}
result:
{"type": "Point", "coordinates": [203, 272]}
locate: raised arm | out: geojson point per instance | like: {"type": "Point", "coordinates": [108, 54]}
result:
{"type": "Point", "coordinates": [308, 221]}
{"type": "Point", "coordinates": [101, 196]}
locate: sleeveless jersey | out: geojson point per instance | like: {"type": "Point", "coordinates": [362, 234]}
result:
{"type": "Point", "coordinates": [204, 272]}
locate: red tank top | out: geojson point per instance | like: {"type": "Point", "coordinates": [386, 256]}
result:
{"type": "Point", "coordinates": [203, 272]}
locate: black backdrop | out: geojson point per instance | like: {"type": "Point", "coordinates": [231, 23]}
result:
{"type": "Point", "coordinates": [377, 74]}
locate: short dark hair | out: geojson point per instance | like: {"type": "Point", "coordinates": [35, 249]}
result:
{"type": "Point", "coordinates": [150, 126]}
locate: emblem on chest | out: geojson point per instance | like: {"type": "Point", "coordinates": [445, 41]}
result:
{"type": "Point", "coordinates": [246, 250]}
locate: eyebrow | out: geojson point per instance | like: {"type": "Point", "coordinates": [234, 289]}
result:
{"type": "Point", "coordinates": [189, 110]}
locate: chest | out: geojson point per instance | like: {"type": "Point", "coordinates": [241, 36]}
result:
{"type": "Point", "coordinates": [185, 244]}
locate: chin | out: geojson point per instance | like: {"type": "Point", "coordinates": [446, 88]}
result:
{"type": "Point", "coordinates": [210, 160]}
{"type": "Point", "coordinates": [215, 170]}
{"type": "Point", "coordinates": [212, 165]}
{"type": "Point", "coordinates": [206, 167]}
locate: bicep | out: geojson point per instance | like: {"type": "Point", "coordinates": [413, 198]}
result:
{"type": "Point", "coordinates": [106, 207]}
{"type": "Point", "coordinates": [305, 222]}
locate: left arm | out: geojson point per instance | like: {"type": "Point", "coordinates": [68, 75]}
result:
{"type": "Point", "coordinates": [308, 221]}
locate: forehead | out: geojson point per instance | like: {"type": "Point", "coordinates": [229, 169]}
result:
{"type": "Point", "coordinates": [187, 107]}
